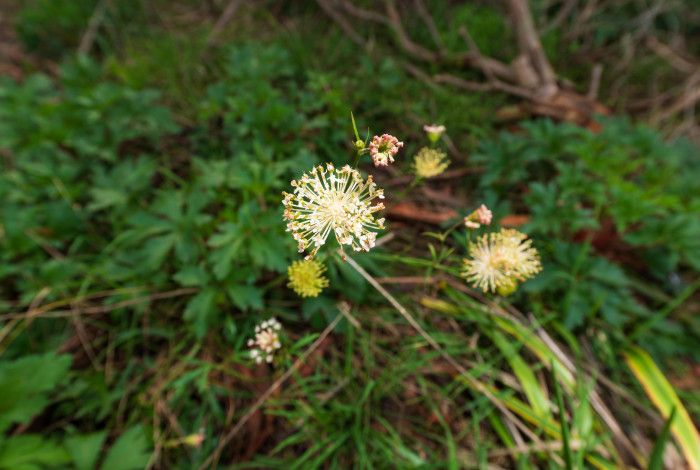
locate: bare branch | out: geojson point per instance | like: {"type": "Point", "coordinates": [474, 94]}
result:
{"type": "Point", "coordinates": [561, 16]}
{"type": "Point", "coordinates": [530, 45]}
{"type": "Point", "coordinates": [342, 22]}
{"type": "Point", "coordinates": [673, 58]}
{"type": "Point", "coordinates": [416, 50]}
{"type": "Point", "coordinates": [93, 25]}
{"type": "Point", "coordinates": [430, 24]}
{"type": "Point", "coordinates": [214, 457]}
{"type": "Point", "coordinates": [594, 87]}
{"type": "Point", "coordinates": [223, 20]}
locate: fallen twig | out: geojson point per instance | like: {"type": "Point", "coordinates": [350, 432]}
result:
{"type": "Point", "coordinates": [223, 20]}
{"type": "Point", "coordinates": [214, 457]}
{"type": "Point", "coordinates": [96, 19]}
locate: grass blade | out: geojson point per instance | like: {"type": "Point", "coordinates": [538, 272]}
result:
{"type": "Point", "coordinates": [531, 387]}
{"type": "Point", "coordinates": [661, 393]}
{"type": "Point", "coordinates": [656, 460]}
{"type": "Point", "coordinates": [565, 436]}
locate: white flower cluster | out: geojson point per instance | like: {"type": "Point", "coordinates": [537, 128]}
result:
{"type": "Point", "coordinates": [333, 200]}
{"type": "Point", "coordinates": [266, 341]}
{"type": "Point", "coordinates": [501, 260]}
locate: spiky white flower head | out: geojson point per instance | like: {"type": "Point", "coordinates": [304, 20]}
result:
{"type": "Point", "coordinates": [383, 148]}
{"type": "Point", "coordinates": [500, 260]}
{"type": "Point", "coordinates": [306, 277]}
{"type": "Point", "coordinates": [481, 216]}
{"type": "Point", "coordinates": [266, 341]}
{"type": "Point", "coordinates": [434, 131]}
{"type": "Point", "coordinates": [429, 162]}
{"type": "Point", "coordinates": [331, 200]}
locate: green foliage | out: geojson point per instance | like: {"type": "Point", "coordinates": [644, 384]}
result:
{"type": "Point", "coordinates": [85, 449]}
{"type": "Point", "coordinates": [596, 202]}
{"type": "Point", "coordinates": [27, 387]}
{"type": "Point", "coordinates": [24, 395]}
{"type": "Point", "coordinates": [31, 452]}
{"type": "Point", "coordinates": [131, 451]}
{"type": "Point", "coordinates": [104, 194]}
{"type": "Point", "coordinates": [50, 27]}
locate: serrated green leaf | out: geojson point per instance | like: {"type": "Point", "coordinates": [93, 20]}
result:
{"type": "Point", "coordinates": [131, 451]}
{"type": "Point", "coordinates": [200, 310]}
{"type": "Point", "coordinates": [245, 296]}
{"type": "Point", "coordinates": [190, 276]}
{"type": "Point", "coordinates": [85, 449]}
{"type": "Point", "coordinates": [24, 394]}
{"type": "Point", "coordinates": [31, 452]}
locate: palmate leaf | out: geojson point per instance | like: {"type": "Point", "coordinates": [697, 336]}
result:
{"type": "Point", "coordinates": [24, 394]}
{"type": "Point", "coordinates": [84, 449]}
{"type": "Point", "coordinates": [201, 309]}
{"type": "Point", "coordinates": [661, 393]}
{"type": "Point", "coordinates": [31, 452]}
{"type": "Point", "coordinates": [131, 451]}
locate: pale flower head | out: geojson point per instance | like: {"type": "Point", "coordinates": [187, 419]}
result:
{"type": "Point", "coordinates": [429, 162]}
{"type": "Point", "coordinates": [481, 216]}
{"type": "Point", "coordinates": [383, 148]}
{"type": "Point", "coordinates": [266, 341]}
{"type": "Point", "coordinates": [434, 132]}
{"type": "Point", "coordinates": [499, 261]}
{"type": "Point", "coordinates": [338, 201]}
{"type": "Point", "coordinates": [306, 277]}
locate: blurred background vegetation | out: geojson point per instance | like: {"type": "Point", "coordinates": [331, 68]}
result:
{"type": "Point", "coordinates": [145, 146]}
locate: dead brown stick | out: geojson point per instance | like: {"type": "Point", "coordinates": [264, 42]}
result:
{"type": "Point", "coordinates": [406, 280]}
{"type": "Point", "coordinates": [223, 20]}
{"type": "Point", "coordinates": [430, 24]}
{"type": "Point", "coordinates": [341, 21]}
{"type": "Point", "coordinates": [473, 382]}
{"type": "Point", "coordinates": [43, 313]}
{"type": "Point", "coordinates": [673, 58]}
{"type": "Point", "coordinates": [450, 174]}
{"type": "Point", "coordinates": [216, 455]}
{"type": "Point", "coordinates": [96, 19]}
{"type": "Point", "coordinates": [594, 87]}
{"type": "Point", "coordinates": [530, 45]}
{"type": "Point", "coordinates": [687, 100]}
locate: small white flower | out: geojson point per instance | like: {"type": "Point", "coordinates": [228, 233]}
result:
{"type": "Point", "coordinates": [434, 132]}
{"type": "Point", "coordinates": [329, 200]}
{"type": "Point", "coordinates": [499, 261]}
{"type": "Point", "coordinates": [266, 341]}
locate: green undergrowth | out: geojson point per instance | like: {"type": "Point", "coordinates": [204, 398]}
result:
{"type": "Point", "coordinates": [141, 240]}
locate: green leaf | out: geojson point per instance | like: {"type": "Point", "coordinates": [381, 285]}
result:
{"type": "Point", "coordinates": [200, 310]}
{"type": "Point", "coordinates": [84, 449]}
{"type": "Point", "coordinates": [656, 459]}
{"type": "Point", "coordinates": [23, 394]}
{"type": "Point", "coordinates": [156, 249]}
{"type": "Point", "coordinates": [531, 387]}
{"type": "Point", "coordinates": [227, 243]}
{"type": "Point", "coordinates": [102, 198]}
{"type": "Point", "coordinates": [661, 393]}
{"type": "Point", "coordinates": [354, 127]}
{"type": "Point", "coordinates": [31, 452]}
{"type": "Point", "coordinates": [130, 452]}
{"type": "Point", "coordinates": [565, 435]}
{"type": "Point", "coordinates": [192, 276]}
{"type": "Point", "coordinates": [245, 297]}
